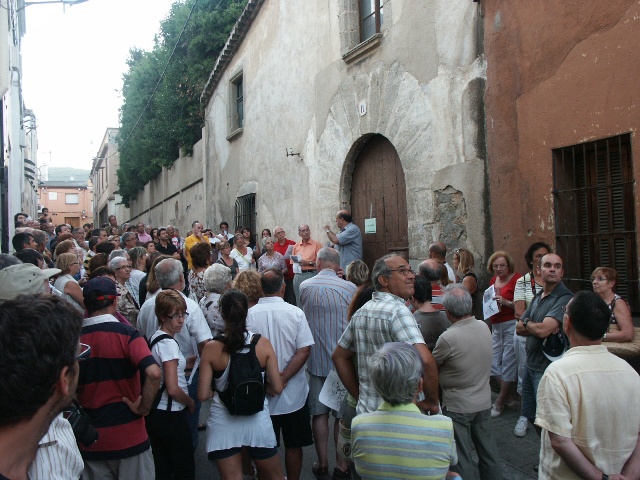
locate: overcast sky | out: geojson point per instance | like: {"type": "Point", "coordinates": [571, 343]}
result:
{"type": "Point", "coordinates": [73, 63]}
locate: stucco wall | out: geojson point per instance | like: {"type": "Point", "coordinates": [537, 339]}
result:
{"type": "Point", "coordinates": [558, 73]}
{"type": "Point", "coordinates": [175, 196]}
{"type": "Point", "coordinates": [423, 88]}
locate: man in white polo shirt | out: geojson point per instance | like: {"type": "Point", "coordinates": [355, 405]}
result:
{"type": "Point", "coordinates": [286, 327]}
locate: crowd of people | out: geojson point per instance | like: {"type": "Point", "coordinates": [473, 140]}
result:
{"type": "Point", "coordinates": [133, 327]}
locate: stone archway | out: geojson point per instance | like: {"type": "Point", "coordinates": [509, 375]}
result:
{"type": "Point", "coordinates": [378, 191]}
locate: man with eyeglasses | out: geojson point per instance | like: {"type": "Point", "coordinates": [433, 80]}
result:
{"type": "Point", "coordinates": [385, 318]}
{"type": "Point", "coordinates": [543, 317]}
{"type": "Point", "coordinates": [109, 389]}
{"type": "Point", "coordinates": [36, 441]}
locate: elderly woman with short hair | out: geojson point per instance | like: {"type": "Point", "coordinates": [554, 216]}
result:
{"type": "Point", "coordinates": [396, 373]}
{"type": "Point", "coordinates": [65, 283]}
{"type": "Point", "coordinates": [217, 280]}
{"type": "Point", "coordinates": [126, 304]}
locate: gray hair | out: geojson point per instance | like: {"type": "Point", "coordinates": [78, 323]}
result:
{"type": "Point", "coordinates": [380, 268]}
{"type": "Point", "coordinates": [429, 273]}
{"type": "Point", "coordinates": [126, 236]}
{"type": "Point", "coordinates": [457, 301]}
{"type": "Point", "coordinates": [115, 262]}
{"type": "Point", "coordinates": [118, 253]}
{"type": "Point", "coordinates": [396, 369]}
{"type": "Point", "coordinates": [168, 272]}
{"type": "Point", "coordinates": [217, 277]}
{"type": "Point", "coordinates": [329, 255]}
{"type": "Point", "coordinates": [7, 260]}
{"type": "Point", "coordinates": [39, 237]}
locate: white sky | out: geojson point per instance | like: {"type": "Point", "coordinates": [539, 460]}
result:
{"type": "Point", "coordinates": [73, 63]}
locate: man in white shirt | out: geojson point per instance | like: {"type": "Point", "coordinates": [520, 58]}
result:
{"type": "Point", "coordinates": [286, 327]}
{"type": "Point", "coordinates": [35, 441]}
{"type": "Point", "coordinates": [588, 402]}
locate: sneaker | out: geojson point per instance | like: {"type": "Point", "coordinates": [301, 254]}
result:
{"type": "Point", "coordinates": [521, 427]}
{"type": "Point", "coordinates": [496, 411]}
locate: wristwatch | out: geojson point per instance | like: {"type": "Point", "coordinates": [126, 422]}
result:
{"type": "Point", "coordinates": [605, 476]}
{"type": "Point", "coordinates": [328, 230]}
{"type": "Point", "coordinates": [525, 321]}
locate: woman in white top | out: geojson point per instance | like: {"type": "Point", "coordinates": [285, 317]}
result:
{"type": "Point", "coordinates": [167, 425]}
{"type": "Point", "coordinates": [226, 433]}
{"type": "Point", "coordinates": [242, 254]}
{"type": "Point", "coordinates": [65, 283]}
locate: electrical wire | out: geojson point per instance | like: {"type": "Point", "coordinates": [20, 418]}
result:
{"type": "Point", "coordinates": [155, 89]}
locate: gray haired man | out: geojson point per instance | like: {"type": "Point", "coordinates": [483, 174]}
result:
{"type": "Point", "coordinates": [464, 354]}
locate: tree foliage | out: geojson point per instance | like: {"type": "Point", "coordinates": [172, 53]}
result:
{"type": "Point", "coordinates": [152, 135]}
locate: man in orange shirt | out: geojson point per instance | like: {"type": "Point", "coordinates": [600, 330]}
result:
{"type": "Point", "coordinates": [307, 249]}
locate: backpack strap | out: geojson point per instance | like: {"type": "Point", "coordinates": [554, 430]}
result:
{"type": "Point", "coordinates": [156, 401]}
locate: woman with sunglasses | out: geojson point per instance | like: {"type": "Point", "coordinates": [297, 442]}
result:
{"type": "Point", "coordinates": [166, 424]}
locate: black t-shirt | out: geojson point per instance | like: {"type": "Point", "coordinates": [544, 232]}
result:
{"type": "Point", "coordinates": [170, 250]}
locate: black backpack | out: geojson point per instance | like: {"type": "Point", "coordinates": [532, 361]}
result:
{"type": "Point", "coordinates": [245, 390]}
{"type": "Point", "coordinates": [156, 400]}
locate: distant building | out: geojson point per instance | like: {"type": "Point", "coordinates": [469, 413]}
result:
{"type": "Point", "coordinates": [69, 201]}
{"type": "Point", "coordinates": [104, 176]}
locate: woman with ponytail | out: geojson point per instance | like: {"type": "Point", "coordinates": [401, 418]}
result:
{"type": "Point", "coordinates": [254, 432]}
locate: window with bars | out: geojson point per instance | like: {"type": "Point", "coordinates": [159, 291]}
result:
{"type": "Point", "coordinates": [595, 213]}
{"type": "Point", "coordinates": [371, 12]}
{"type": "Point", "coordinates": [246, 212]}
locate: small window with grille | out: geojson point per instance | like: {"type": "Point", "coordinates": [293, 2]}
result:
{"type": "Point", "coordinates": [370, 18]}
{"type": "Point", "coordinates": [595, 213]}
{"type": "Point", "coordinates": [246, 212]}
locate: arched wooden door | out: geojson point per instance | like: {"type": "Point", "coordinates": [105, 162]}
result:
{"type": "Point", "coordinates": [378, 191]}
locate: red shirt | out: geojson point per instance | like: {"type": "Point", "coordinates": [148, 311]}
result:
{"type": "Point", "coordinates": [282, 249]}
{"type": "Point", "coordinates": [506, 313]}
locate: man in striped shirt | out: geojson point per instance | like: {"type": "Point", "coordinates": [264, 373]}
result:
{"type": "Point", "coordinates": [324, 299]}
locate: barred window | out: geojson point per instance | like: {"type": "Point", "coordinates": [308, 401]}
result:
{"type": "Point", "coordinates": [246, 212]}
{"type": "Point", "coordinates": [595, 213]}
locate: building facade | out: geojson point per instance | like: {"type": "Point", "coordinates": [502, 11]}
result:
{"type": "Point", "coordinates": [562, 108]}
{"type": "Point", "coordinates": [360, 104]}
{"type": "Point", "coordinates": [18, 139]}
{"type": "Point", "coordinates": [104, 177]}
{"type": "Point", "coordinates": [69, 202]}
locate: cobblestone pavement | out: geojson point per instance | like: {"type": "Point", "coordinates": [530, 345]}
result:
{"type": "Point", "coordinates": [519, 455]}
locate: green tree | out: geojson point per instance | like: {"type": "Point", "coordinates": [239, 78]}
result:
{"type": "Point", "coordinates": [153, 128]}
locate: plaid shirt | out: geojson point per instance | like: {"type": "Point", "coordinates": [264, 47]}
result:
{"type": "Point", "coordinates": [385, 318]}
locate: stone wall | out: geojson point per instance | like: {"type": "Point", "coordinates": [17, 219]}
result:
{"type": "Point", "coordinates": [175, 196]}
{"type": "Point", "coordinates": [422, 86]}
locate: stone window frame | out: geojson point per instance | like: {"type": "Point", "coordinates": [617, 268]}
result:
{"type": "Point", "coordinates": [351, 45]}
{"type": "Point", "coordinates": [236, 105]}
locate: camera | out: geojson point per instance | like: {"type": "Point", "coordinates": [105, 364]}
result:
{"type": "Point", "coordinates": [81, 425]}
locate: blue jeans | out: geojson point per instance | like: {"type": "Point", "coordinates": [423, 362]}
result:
{"type": "Point", "coordinates": [530, 382]}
